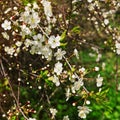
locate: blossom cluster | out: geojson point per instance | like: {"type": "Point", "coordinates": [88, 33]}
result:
{"type": "Point", "coordinates": [35, 33]}
{"type": "Point", "coordinates": [117, 44]}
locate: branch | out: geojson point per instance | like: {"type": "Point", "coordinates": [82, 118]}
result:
{"type": "Point", "coordinates": [17, 103]}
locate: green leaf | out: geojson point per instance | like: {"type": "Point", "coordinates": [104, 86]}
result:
{"type": "Point", "coordinates": [49, 83]}
{"type": "Point", "coordinates": [13, 118]}
{"type": "Point", "coordinates": [76, 29]}
{"type": "Point", "coordinates": [43, 74]}
{"type": "Point", "coordinates": [63, 36]}
{"type": "Point", "coordinates": [25, 2]}
{"type": "Point", "coordinates": [63, 44]}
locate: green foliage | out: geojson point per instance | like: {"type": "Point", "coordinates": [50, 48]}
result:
{"type": "Point", "coordinates": [13, 118]}
{"type": "Point", "coordinates": [63, 36]}
{"type": "Point", "coordinates": [25, 2]}
{"type": "Point", "coordinates": [36, 88]}
{"type": "Point", "coordinates": [4, 84]}
{"type": "Point", "coordinates": [76, 30]}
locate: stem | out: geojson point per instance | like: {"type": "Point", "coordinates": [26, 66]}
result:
{"type": "Point", "coordinates": [67, 63]}
{"type": "Point", "coordinates": [17, 103]}
{"type": "Point", "coordinates": [43, 31]}
{"type": "Point", "coordinates": [2, 111]}
{"type": "Point", "coordinates": [75, 74]}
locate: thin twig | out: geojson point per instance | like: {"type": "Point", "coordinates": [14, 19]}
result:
{"type": "Point", "coordinates": [75, 74]}
{"type": "Point", "coordinates": [17, 103]}
{"type": "Point", "coordinates": [43, 31]}
{"type": "Point", "coordinates": [18, 97]}
{"type": "Point", "coordinates": [3, 111]}
{"type": "Point", "coordinates": [66, 62]}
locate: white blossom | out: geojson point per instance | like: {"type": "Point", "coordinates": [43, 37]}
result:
{"type": "Point", "coordinates": [66, 117]}
{"type": "Point", "coordinates": [53, 20]}
{"type": "Point", "coordinates": [48, 29]}
{"type": "Point", "coordinates": [15, 8]}
{"type": "Point", "coordinates": [5, 35]}
{"type": "Point", "coordinates": [37, 37]}
{"type": "Point", "coordinates": [53, 111]}
{"type": "Point", "coordinates": [99, 81]}
{"type": "Point", "coordinates": [54, 41]}
{"type": "Point", "coordinates": [6, 25]}
{"type": "Point", "coordinates": [91, 7]}
{"type": "Point", "coordinates": [27, 43]}
{"type": "Point", "coordinates": [76, 53]}
{"type": "Point", "coordinates": [106, 21]}
{"type": "Point", "coordinates": [87, 102]}
{"type": "Point", "coordinates": [58, 68]}
{"type": "Point", "coordinates": [35, 5]}
{"type": "Point", "coordinates": [89, 1]}
{"type": "Point", "coordinates": [76, 86]}
{"type": "Point", "coordinates": [118, 51]}
{"type": "Point", "coordinates": [4, 115]}
{"type": "Point", "coordinates": [9, 50]}
{"type": "Point", "coordinates": [82, 114]}
{"type": "Point", "coordinates": [117, 44]}
{"type": "Point", "coordinates": [47, 9]}
{"type": "Point", "coordinates": [18, 43]}
{"type": "Point", "coordinates": [103, 65]}
{"type": "Point", "coordinates": [33, 20]}
{"type": "Point", "coordinates": [98, 57]}
{"type": "Point", "coordinates": [30, 16]}
{"type": "Point", "coordinates": [83, 111]}
{"type": "Point", "coordinates": [31, 119]}
{"type": "Point", "coordinates": [46, 51]}
{"type": "Point", "coordinates": [25, 30]}
{"type": "Point", "coordinates": [17, 51]}
{"type": "Point", "coordinates": [68, 94]}
{"type": "Point", "coordinates": [56, 80]}
{"type": "Point", "coordinates": [36, 47]}
{"type": "Point", "coordinates": [118, 87]}
{"type": "Point", "coordinates": [24, 16]}
{"type": "Point", "coordinates": [96, 68]}
{"type": "Point", "coordinates": [82, 71]}
{"type": "Point", "coordinates": [59, 54]}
